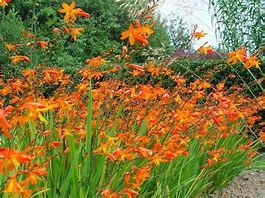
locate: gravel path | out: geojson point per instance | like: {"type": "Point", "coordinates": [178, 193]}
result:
{"type": "Point", "coordinates": [249, 184]}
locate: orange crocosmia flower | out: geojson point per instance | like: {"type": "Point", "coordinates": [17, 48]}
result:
{"type": "Point", "coordinates": [143, 30]}
{"type": "Point", "coordinates": [3, 3]}
{"type": "Point", "coordinates": [95, 62]}
{"type": "Point", "coordinates": [34, 106]}
{"type": "Point", "coordinates": [129, 34]}
{"type": "Point", "coordinates": [33, 176]}
{"type": "Point", "coordinates": [130, 193]}
{"type": "Point", "coordinates": [141, 175]}
{"type": "Point", "coordinates": [127, 177]}
{"type": "Point", "coordinates": [157, 159]}
{"type": "Point", "coordinates": [10, 46]}
{"type": "Point", "coordinates": [234, 115]}
{"type": "Point", "coordinates": [19, 58]}
{"type": "Point", "coordinates": [134, 34]}
{"type": "Point", "coordinates": [136, 73]}
{"type": "Point", "coordinates": [239, 55]}
{"type": "Point", "coordinates": [55, 144]}
{"type": "Point", "coordinates": [251, 61]}
{"type": "Point", "coordinates": [9, 158]}
{"type": "Point", "coordinates": [29, 74]}
{"type": "Point", "coordinates": [143, 152]}
{"type": "Point", "coordinates": [43, 44]}
{"type": "Point", "coordinates": [81, 12]}
{"type": "Point", "coordinates": [36, 109]}
{"type": "Point", "coordinates": [205, 49]}
{"type": "Point", "coordinates": [198, 35]}
{"type": "Point", "coordinates": [136, 67]}
{"type": "Point", "coordinates": [146, 30]}
{"type": "Point", "coordinates": [75, 32]}
{"type": "Point", "coordinates": [13, 185]}
{"type": "Point", "coordinates": [107, 193]}
{"type": "Point", "coordinates": [70, 12]}
{"type": "Point", "coordinates": [4, 124]}
{"type": "Point", "coordinates": [148, 17]}
{"type": "Point", "coordinates": [123, 154]}
{"type": "Point", "coordinates": [220, 86]}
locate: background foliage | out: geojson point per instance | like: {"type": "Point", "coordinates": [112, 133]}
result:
{"type": "Point", "coordinates": [239, 22]}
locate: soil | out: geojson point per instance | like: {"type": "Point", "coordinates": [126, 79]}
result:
{"type": "Point", "coordinates": [249, 184]}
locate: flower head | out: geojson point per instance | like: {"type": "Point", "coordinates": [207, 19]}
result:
{"type": "Point", "coordinates": [71, 12]}
{"type": "Point", "coordinates": [75, 32]}
{"type": "Point", "coordinates": [3, 3]}
{"type": "Point", "coordinates": [239, 55]}
{"type": "Point", "coordinates": [139, 34]}
{"type": "Point", "coordinates": [251, 61]}
{"type": "Point", "coordinates": [19, 58]}
{"type": "Point", "coordinates": [198, 35]}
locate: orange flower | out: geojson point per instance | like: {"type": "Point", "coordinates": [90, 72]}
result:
{"type": "Point", "coordinates": [36, 109]}
{"type": "Point", "coordinates": [13, 185]}
{"type": "Point", "coordinates": [43, 44]}
{"type": "Point", "coordinates": [198, 35]}
{"type": "Point", "coordinates": [134, 34]}
{"type": "Point", "coordinates": [251, 61]}
{"type": "Point", "coordinates": [143, 30]}
{"type": "Point", "coordinates": [4, 124]}
{"type": "Point", "coordinates": [3, 3]}
{"type": "Point", "coordinates": [143, 152]}
{"type": "Point", "coordinates": [129, 34]}
{"type": "Point", "coordinates": [10, 46]}
{"type": "Point", "coordinates": [10, 158]}
{"type": "Point", "coordinates": [75, 32]}
{"type": "Point", "coordinates": [148, 17]}
{"type": "Point", "coordinates": [29, 74]}
{"type": "Point", "coordinates": [33, 176]}
{"type": "Point", "coordinates": [141, 175]}
{"type": "Point", "coordinates": [107, 193]}
{"type": "Point", "coordinates": [80, 12]}
{"type": "Point", "coordinates": [205, 49]}
{"type": "Point", "coordinates": [130, 193]}
{"type": "Point", "coordinates": [95, 62]}
{"type": "Point", "coordinates": [70, 12]}
{"type": "Point", "coordinates": [136, 67]}
{"type": "Point", "coordinates": [157, 159]}
{"type": "Point", "coordinates": [55, 144]}
{"type": "Point", "coordinates": [239, 55]}
{"type": "Point", "coordinates": [19, 58]}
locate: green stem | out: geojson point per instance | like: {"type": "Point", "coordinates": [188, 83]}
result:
{"type": "Point", "coordinates": [256, 80]}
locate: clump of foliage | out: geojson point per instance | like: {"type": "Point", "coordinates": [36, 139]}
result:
{"type": "Point", "coordinates": [179, 32]}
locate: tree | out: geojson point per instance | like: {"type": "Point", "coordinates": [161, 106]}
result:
{"type": "Point", "coordinates": [239, 22]}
